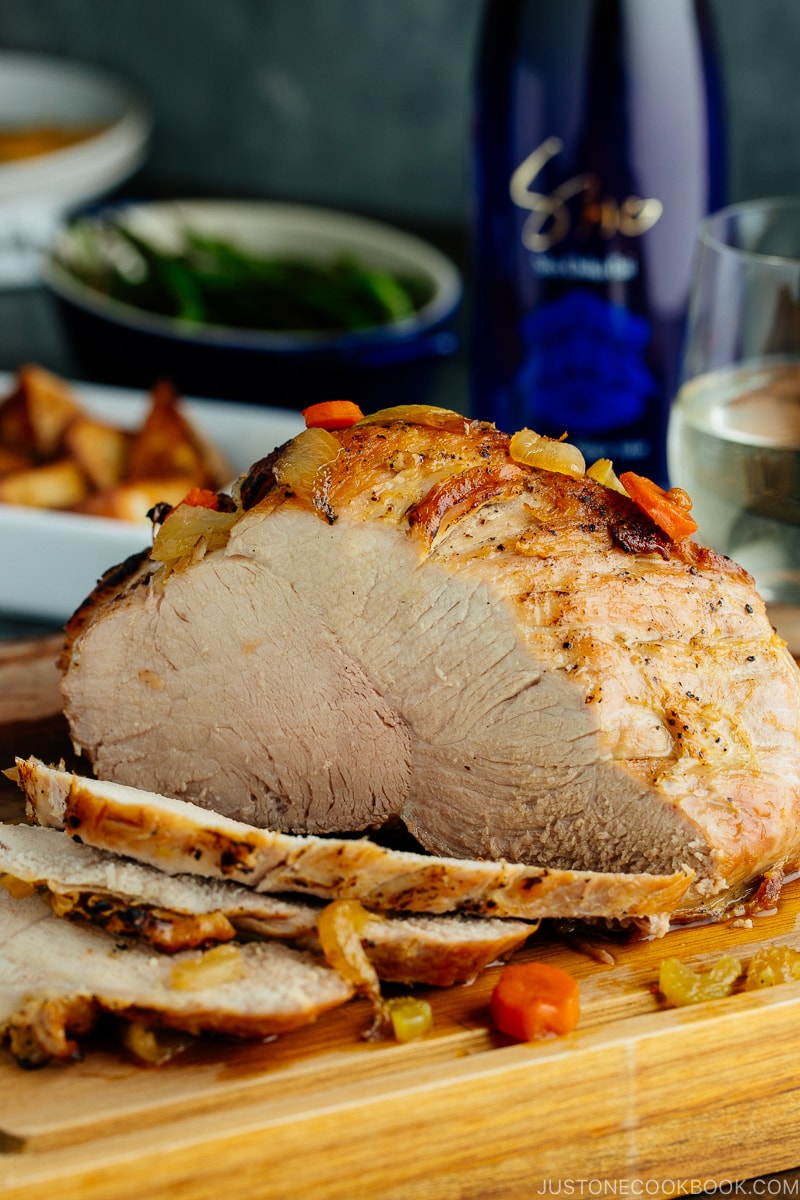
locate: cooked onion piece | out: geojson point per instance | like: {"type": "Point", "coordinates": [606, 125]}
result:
{"type": "Point", "coordinates": [153, 1047]}
{"type": "Point", "coordinates": [418, 414]}
{"type": "Point", "coordinates": [18, 888]}
{"type": "Point", "coordinates": [339, 928]}
{"type": "Point", "coordinates": [603, 472]}
{"type": "Point", "coordinates": [189, 529]}
{"type": "Point", "coordinates": [304, 455]}
{"type": "Point", "coordinates": [549, 454]}
{"type": "Point", "coordinates": [221, 965]}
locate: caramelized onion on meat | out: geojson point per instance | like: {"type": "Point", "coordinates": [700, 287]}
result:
{"type": "Point", "coordinates": [18, 888]}
{"type": "Point", "coordinates": [297, 466]}
{"type": "Point", "coordinates": [602, 471]}
{"type": "Point", "coordinates": [548, 454]}
{"type": "Point", "coordinates": [419, 414]}
{"type": "Point", "coordinates": [221, 965]}
{"type": "Point", "coordinates": [339, 928]}
{"type": "Point", "coordinates": [153, 1047]}
{"type": "Point", "coordinates": [190, 531]}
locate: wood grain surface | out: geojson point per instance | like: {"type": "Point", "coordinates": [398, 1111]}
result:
{"type": "Point", "coordinates": [639, 1097]}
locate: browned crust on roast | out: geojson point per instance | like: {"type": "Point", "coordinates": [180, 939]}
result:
{"type": "Point", "coordinates": [459, 495]}
{"type": "Point", "coordinates": [47, 1026]}
{"type": "Point", "coordinates": [169, 932]}
{"type": "Point", "coordinates": [260, 479]}
{"type": "Point", "coordinates": [119, 828]}
{"type": "Point", "coordinates": [465, 464]}
{"type": "Point", "coordinates": [484, 473]}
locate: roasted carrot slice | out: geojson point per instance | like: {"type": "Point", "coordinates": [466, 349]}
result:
{"type": "Point", "coordinates": [532, 1000]}
{"type": "Point", "coordinates": [662, 507]}
{"type": "Point", "coordinates": [202, 498]}
{"type": "Point", "coordinates": [332, 414]}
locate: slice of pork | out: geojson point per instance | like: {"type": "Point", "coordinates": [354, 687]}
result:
{"type": "Point", "coordinates": [514, 663]}
{"type": "Point", "coordinates": [273, 988]}
{"type": "Point", "coordinates": [182, 838]}
{"type": "Point", "coordinates": [46, 858]}
{"type": "Point", "coordinates": [183, 911]}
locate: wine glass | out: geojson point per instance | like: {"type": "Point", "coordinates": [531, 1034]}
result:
{"type": "Point", "coordinates": [734, 434]}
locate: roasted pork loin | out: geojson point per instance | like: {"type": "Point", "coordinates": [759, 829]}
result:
{"type": "Point", "coordinates": [401, 623]}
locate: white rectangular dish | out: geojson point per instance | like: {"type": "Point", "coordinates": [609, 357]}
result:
{"type": "Point", "coordinates": [52, 560]}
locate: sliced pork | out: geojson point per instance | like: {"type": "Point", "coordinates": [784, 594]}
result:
{"type": "Point", "coordinates": [182, 838]}
{"type": "Point", "coordinates": [186, 911]}
{"type": "Point", "coordinates": [263, 988]}
{"type": "Point", "coordinates": [403, 623]}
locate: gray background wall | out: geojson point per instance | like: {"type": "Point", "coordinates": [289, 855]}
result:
{"type": "Point", "coordinates": [363, 103]}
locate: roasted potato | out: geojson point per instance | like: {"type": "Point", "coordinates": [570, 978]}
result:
{"type": "Point", "coordinates": [59, 484]}
{"type": "Point", "coordinates": [100, 450]}
{"type": "Point", "coordinates": [12, 460]}
{"type": "Point", "coordinates": [34, 417]}
{"type": "Point", "coordinates": [53, 454]}
{"type": "Point", "coordinates": [168, 445]}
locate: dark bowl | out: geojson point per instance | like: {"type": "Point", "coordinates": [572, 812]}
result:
{"type": "Point", "coordinates": [378, 366]}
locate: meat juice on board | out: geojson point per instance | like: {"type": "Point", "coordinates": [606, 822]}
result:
{"type": "Point", "coordinates": [597, 148]}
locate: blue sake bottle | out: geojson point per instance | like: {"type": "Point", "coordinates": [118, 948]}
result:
{"type": "Point", "coordinates": [598, 146]}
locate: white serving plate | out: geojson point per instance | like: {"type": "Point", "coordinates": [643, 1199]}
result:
{"type": "Point", "coordinates": [52, 560]}
{"type": "Point", "coordinates": [35, 193]}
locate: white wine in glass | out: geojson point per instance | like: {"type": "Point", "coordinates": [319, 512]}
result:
{"type": "Point", "coordinates": [734, 438]}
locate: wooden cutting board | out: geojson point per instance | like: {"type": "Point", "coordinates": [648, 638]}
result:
{"type": "Point", "coordinates": [640, 1098]}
